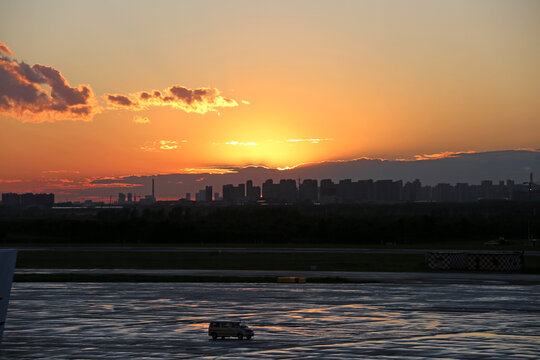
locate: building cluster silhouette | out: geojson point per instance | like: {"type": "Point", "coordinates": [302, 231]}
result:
{"type": "Point", "coordinates": [347, 191]}
{"type": "Point", "coordinates": [289, 191]}
{"type": "Point", "coordinates": [27, 200]}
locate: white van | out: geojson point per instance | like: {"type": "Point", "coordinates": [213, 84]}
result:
{"type": "Point", "coordinates": [225, 329]}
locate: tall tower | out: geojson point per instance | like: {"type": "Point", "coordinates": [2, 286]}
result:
{"type": "Point", "coordinates": [8, 258]}
{"type": "Point", "coordinates": [153, 193]}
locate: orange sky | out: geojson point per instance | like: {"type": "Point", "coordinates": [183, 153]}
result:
{"type": "Point", "coordinates": [252, 82]}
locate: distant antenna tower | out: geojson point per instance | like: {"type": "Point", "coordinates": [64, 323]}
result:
{"type": "Point", "coordinates": [531, 183]}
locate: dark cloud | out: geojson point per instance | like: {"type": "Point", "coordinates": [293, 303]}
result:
{"type": "Point", "coordinates": [120, 100]}
{"type": "Point", "coordinates": [200, 100]}
{"type": "Point", "coordinates": [5, 50]}
{"type": "Point", "coordinates": [22, 96]}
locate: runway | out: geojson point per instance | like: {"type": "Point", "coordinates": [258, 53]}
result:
{"type": "Point", "coordinates": [368, 277]}
{"type": "Point", "coordinates": [281, 250]}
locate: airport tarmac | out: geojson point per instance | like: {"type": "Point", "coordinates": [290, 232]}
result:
{"type": "Point", "coordinates": [285, 250]}
{"type": "Point", "coordinates": [382, 277]}
{"type": "Point", "coordinates": [291, 321]}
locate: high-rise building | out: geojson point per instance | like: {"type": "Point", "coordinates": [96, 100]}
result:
{"type": "Point", "coordinates": [27, 200]}
{"type": "Point", "coordinates": [253, 193]}
{"type": "Point", "coordinates": [234, 194]}
{"type": "Point", "coordinates": [486, 189]}
{"type": "Point", "coordinates": [288, 193]}
{"type": "Point", "coordinates": [328, 192]}
{"type": "Point", "coordinates": [208, 193]}
{"type": "Point", "coordinates": [200, 196]}
{"type": "Point", "coordinates": [308, 191]}
{"type": "Point", "coordinates": [462, 192]}
{"type": "Point", "coordinates": [269, 191]}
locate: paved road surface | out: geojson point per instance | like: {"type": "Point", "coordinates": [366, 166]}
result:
{"type": "Point", "coordinates": [383, 277]}
{"type": "Point", "coordinates": [252, 250]}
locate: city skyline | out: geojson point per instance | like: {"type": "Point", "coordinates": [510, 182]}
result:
{"type": "Point", "coordinates": [183, 88]}
{"type": "Point", "coordinates": [454, 168]}
{"type": "Point", "coordinates": [312, 191]}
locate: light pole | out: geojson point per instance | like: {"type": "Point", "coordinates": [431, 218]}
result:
{"type": "Point", "coordinates": [530, 183]}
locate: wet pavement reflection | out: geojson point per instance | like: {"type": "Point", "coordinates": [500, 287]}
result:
{"type": "Point", "coordinates": [170, 320]}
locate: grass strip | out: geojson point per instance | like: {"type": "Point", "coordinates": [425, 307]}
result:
{"type": "Point", "coordinates": [168, 279]}
{"type": "Point", "coordinates": [234, 261]}
{"type": "Point", "coordinates": [220, 261]}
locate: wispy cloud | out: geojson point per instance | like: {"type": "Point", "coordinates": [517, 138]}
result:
{"type": "Point", "coordinates": [122, 101]}
{"type": "Point", "coordinates": [290, 167]}
{"type": "Point", "coordinates": [22, 95]}
{"type": "Point", "coordinates": [200, 101]}
{"type": "Point", "coordinates": [10, 181]}
{"type": "Point", "coordinates": [442, 155]}
{"type": "Point", "coordinates": [236, 143]}
{"type": "Point", "coordinates": [5, 50]}
{"type": "Point", "coordinates": [212, 171]}
{"type": "Point", "coordinates": [60, 172]}
{"type": "Point", "coordinates": [161, 145]}
{"type": "Point", "coordinates": [83, 184]}
{"type": "Point", "coordinates": [141, 120]}
{"type": "Point", "coordinates": [245, 102]}
{"type": "Point", "coordinates": [312, 141]}
{"type": "Point", "coordinates": [38, 93]}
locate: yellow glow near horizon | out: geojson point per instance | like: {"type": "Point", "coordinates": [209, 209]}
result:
{"type": "Point", "coordinates": [286, 82]}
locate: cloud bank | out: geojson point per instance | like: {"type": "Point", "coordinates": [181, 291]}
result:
{"type": "Point", "coordinates": [161, 145]}
{"type": "Point", "coordinates": [443, 155]}
{"type": "Point", "coordinates": [39, 93]}
{"type": "Point", "coordinates": [22, 95]}
{"type": "Point", "coordinates": [5, 50]}
{"type": "Point", "coordinates": [200, 101]}
{"type": "Point", "coordinates": [141, 120]}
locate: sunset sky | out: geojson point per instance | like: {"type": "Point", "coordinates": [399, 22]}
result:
{"type": "Point", "coordinates": [92, 89]}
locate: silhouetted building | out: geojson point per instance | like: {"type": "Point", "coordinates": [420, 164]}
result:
{"type": "Point", "coordinates": [510, 189]}
{"type": "Point", "coordinates": [462, 192]}
{"type": "Point", "coordinates": [149, 199]}
{"type": "Point", "coordinates": [444, 193]}
{"type": "Point", "coordinates": [234, 194]}
{"type": "Point", "coordinates": [412, 191]}
{"type": "Point", "coordinates": [288, 193]}
{"type": "Point", "coordinates": [388, 190]}
{"type": "Point", "coordinates": [121, 198]}
{"type": "Point", "coordinates": [344, 191]}
{"type": "Point", "coordinates": [130, 198]}
{"type": "Point", "coordinates": [328, 192]}
{"type": "Point", "coordinates": [188, 196]}
{"type": "Point", "coordinates": [270, 191]}
{"type": "Point", "coordinates": [11, 200]}
{"type": "Point", "coordinates": [486, 191]}
{"type": "Point", "coordinates": [27, 200]}
{"type": "Point", "coordinates": [208, 194]}
{"type": "Point", "coordinates": [253, 193]}
{"type": "Point", "coordinates": [366, 190]}
{"type": "Point", "coordinates": [308, 191]}
{"type": "Point", "coordinates": [200, 196]}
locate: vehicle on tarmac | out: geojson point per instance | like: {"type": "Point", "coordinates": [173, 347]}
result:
{"type": "Point", "coordinates": [223, 329]}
